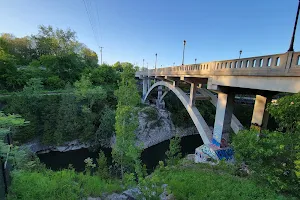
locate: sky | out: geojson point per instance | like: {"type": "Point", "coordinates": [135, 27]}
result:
{"type": "Point", "coordinates": [133, 30]}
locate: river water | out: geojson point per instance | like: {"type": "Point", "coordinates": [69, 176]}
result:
{"type": "Point", "coordinates": [150, 156]}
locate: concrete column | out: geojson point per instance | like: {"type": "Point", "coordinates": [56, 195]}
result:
{"type": "Point", "coordinates": [159, 92]}
{"type": "Point", "coordinates": [145, 87]}
{"type": "Point", "coordinates": [193, 94]}
{"type": "Point", "coordinates": [175, 83]}
{"type": "Point", "coordinates": [159, 96]}
{"type": "Point", "coordinates": [223, 119]}
{"type": "Point", "coordinates": [149, 83]}
{"type": "Point", "coordinates": [260, 116]}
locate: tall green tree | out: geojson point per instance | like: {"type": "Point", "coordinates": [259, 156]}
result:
{"type": "Point", "coordinates": [67, 117]}
{"type": "Point", "coordinates": [174, 152]}
{"type": "Point", "coordinates": [106, 128]}
{"type": "Point", "coordinates": [126, 153]}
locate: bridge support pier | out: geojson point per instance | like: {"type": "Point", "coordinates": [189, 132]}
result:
{"type": "Point", "coordinates": [148, 83]}
{"type": "Point", "coordinates": [159, 104]}
{"type": "Point", "coordinates": [223, 117]}
{"type": "Point", "coordinates": [193, 94]}
{"type": "Point", "coordinates": [260, 116]}
{"type": "Point", "coordinates": [145, 87]}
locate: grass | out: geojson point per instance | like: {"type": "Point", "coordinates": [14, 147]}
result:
{"type": "Point", "coordinates": [199, 181]}
{"type": "Point", "coordinates": [62, 185]}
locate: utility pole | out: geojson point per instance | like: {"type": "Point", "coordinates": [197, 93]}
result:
{"type": "Point", "coordinates": [184, 42]}
{"type": "Point", "coordinates": [241, 51]}
{"type": "Point", "coordinates": [101, 53]}
{"type": "Point", "coordinates": [294, 31]}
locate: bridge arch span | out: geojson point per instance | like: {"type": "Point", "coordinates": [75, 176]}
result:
{"type": "Point", "coordinates": [201, 125]}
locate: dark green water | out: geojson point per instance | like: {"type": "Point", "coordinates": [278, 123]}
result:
{"type": "Point", "coordinates": [151, 156]}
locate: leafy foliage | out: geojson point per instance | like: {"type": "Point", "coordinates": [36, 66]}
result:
{"type": "Point", "coordinates": [54, 55]}
{"type": "Point", "coordinates": [150, 112]}
{"type": "Point", "coordinates": [274, 157]}
{"type": "Point", "coordinates": [64, 185]}
{"type": "Point", "coordinates": [107, 126]}
{"type": "Point", "coordinates": [125, 152]}
{"type": "Point", "coordinates": [270, 158]}
{"type": "Point", "coordinates": [286, 112]}
{"type": "Point", "coordinates": [174, 152]}
{"type": "Point", "coordinates": [102, 169]}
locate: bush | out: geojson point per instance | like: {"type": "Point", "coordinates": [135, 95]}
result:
{"type": "Point", "coordinates": [62, 185]}
{"type": "Point", "coordinates": [54, 82]}
{"type": "Point", "coordinates": [270, 157]}
{"type": "Point", "coordinates": [102, 170]}
{"type": "Point", "coordinates": [150, 112]}
{"type": "Point", "coordinates": [174, 153]}
{"type": "Point", "coordinates": [286, 112]}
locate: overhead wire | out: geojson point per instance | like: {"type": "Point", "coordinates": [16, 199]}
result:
{"type": "Point", "coordinates": [90, 17]}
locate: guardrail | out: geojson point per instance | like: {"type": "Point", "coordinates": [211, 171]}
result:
{"type": "Point", "coordinates": [287, 64]}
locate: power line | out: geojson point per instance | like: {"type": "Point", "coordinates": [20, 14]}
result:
{"type": "Point", "coordinates": [97, 6]}
{"type": "Point", "coordinates": [90, 20]}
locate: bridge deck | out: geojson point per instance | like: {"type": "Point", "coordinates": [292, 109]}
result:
{"type": "Point", "coordinates": [278, 72]}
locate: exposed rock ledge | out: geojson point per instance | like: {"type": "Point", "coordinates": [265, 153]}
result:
{"type": "Point", "coordinates": [36, 147]}
{"type": "Point", "coordinates": [156, 131]}
{"type": "Point", "coordinates": [149, 133]}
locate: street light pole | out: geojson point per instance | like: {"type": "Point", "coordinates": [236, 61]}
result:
{"type": "Point", "coordinates": [294, 31]}
{"type": "Point", "coordinates": [184, 42]}
{"type": "Point", "coordinates": [195, 61]}
{"type": "Point", "coordinates": [155, 61]}
{"type": "Point", "coordinates": [143, 64]}
{"type": "Point", "coordinates": [240, 54]}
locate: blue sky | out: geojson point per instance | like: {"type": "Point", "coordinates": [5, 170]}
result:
{"type": "Point", "coordinates": [130, 30]}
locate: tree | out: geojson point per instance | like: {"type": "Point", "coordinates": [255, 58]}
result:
{"type": "Point", "coordinates": [9, 76]}
{"type": "Point", "coordinates": [104, 75]}
{"type": "Point", "coordinates": [67, 118]}
{"type": "Point", "coordinates": [174, 152]}
{"type": "Point", "coordinates": [274, 157]}
{"type": "Point", "coordinates": [7, 124]}
{"type": "Point", "coordinates": [21, 48]}
{"type": "Point", "coordinates": [102, 169]}
{"type": "Point", "coordinates": [50, 41]}
{"type": "Point", "coordinates": [125, 151]}
{"type": "Point", "coordinates": [89, 95]}
{"type": "Point", "coordinates": [286, 112]}
{"type": "Point", "coordinates": [89, 57]}
{"type": "Point", "coordinates": [106, 127]}
{"type": "Point", "coordinates": [118, 67]}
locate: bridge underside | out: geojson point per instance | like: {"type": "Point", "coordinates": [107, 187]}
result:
{"type": "Point", "coordinates": [214, 141]}
{"type": "Point", "coordinates": [263, 76]}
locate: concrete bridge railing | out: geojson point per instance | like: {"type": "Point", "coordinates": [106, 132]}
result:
{"type": "Point", "coordinates": [286, 64]}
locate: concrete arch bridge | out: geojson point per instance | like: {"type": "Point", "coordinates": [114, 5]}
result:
{"type": "Point", "coordinates": [263, 76]}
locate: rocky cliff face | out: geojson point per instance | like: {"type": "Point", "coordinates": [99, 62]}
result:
{"type": "Point", "coordinates": [155, 126]}
{"type": "Point", "coordinates": [155, 129]}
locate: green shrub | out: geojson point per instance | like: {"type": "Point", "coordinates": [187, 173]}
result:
{"type": "Point", "coordinates": [286, 112]}
{"type": "Point", "coordinates": [174, 152]}
{"type": "Point", "coordinates": [102, 169]}
{"type": "Point", "coordinates": [271, 158]}
{"type": "Point", "coordinates": [62, 185]}
{"type": "Point", "coordinates": [150, 112]}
